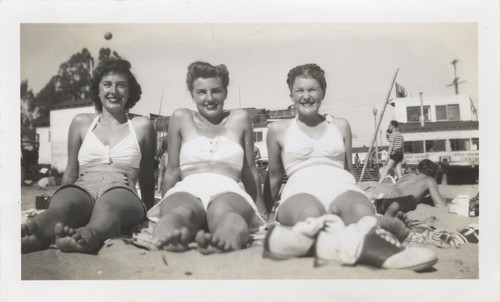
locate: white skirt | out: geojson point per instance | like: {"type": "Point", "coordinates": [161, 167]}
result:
{"type": "Point", "coordinates": [206, 187]}
{"type": "Point", "coordinates": [324, 182]}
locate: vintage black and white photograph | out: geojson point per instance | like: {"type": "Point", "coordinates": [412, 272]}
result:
{"type": "Point", "coordinates": [329, 153]}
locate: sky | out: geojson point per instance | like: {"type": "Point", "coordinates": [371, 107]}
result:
{"type": "Point", "coordinates": [360, 60]}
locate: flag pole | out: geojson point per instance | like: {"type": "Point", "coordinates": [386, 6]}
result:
{"type": "Point", "coordinates": [387, 100]}
{"type": "Point", "coordinates": [161, 100]}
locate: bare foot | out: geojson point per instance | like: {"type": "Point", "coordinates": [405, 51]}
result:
{"type": "Point", "coordinates": [223, 240]}
{"type": "Point", "coordinates": [395, 221]}
{"type": "Point", "coordinates": [176, 241]}
{"type": "Point", "coordinates": [82, 240]}
{"type": "Point", "coordinates": [204, 241]}
{"type": "Point", "coordinates": [30, 237]}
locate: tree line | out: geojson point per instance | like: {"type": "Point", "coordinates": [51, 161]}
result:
{"type": "Point", "coordinates": [71, 84]}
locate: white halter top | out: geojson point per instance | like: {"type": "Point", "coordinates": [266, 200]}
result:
{"type": "Point", "coordinates": [301, 150]}
{"type": "Point", "coordinates": [126, 152]}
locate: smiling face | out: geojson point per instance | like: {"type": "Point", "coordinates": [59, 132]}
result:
{"type": "Point", "coordinates": [114, 91]}
{"type": "Point", "coordinates": [209, 96]}
{"type": "Point", "coordinates": [306, 94]}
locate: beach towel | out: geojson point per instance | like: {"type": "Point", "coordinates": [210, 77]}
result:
{"type": "Point", "coordinates": [422, 233]}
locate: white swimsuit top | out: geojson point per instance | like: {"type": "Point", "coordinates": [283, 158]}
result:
{"type": "Point", "coordinates": [126, 152]}
{"type": "Point", "coordinates": [301, 150]}
{"type": "Point", "coordinates": [219, 151]}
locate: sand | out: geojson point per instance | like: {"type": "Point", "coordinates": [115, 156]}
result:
{"type": "Point", "coordinates": [118, 260]}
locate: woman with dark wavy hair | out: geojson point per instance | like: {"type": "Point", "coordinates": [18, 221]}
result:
{"type": "Point", "coordinates": [107, 154]}
{"type": "Point", "coordinates": [210, 153]}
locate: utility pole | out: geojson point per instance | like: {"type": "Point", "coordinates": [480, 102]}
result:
{"type": "Point", "coordinates": [422, 118]}
{"type": "Point", "coordinates": [455, 80]}
{"type": "Point", "coordinates": [375, 124]}
{"type": "Point", "coordinates": [161, 100]}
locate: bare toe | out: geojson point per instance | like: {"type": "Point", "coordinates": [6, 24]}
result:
{"type": "Point", "coordinates": [82, 240]}
{"type": "Point", "coordinates": [395, 221]}
{"type": "Point", "coordinates": [204, 241]}
{"type": "Point", "coordinates": [177, 241]}
{"type": "Point", "coordinates": [30, 239]}
{"type": "Point", "coordinates": [392, 209]}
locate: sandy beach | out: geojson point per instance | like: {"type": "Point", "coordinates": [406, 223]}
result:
{"type": "Point", "coordinates": [119, 260]}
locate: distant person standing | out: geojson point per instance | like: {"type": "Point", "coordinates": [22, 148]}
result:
{"type": "Point", "coordinates": [356, 160]}
{"type": "Point", "coordinates": [256, 152]}
{"type": "Point", "coordinates": [396, 151]}
{"type": "Point", "coordinates": [162, 156]}
{"type": "Point", "coordinates": [383, 155]}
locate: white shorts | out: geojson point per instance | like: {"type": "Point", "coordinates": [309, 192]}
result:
{"type": "Point", "coordinates": [326, 183]}
{"type": "Point", "coordinates": [206, 187]}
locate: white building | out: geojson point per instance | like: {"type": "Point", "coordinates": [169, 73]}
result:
{"type": "Point", "coordinates": [447, 133]}
{"type": "Point", "coordinates": [60, 120]}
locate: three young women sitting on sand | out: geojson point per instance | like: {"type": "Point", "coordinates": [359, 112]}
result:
{"type": "Point", "coordinates": [210, 153]}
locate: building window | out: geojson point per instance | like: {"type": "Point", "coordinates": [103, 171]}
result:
{"type": "Point", "coordinates": [413, 114]}
{"type": "Point", "coordinates": [448, 112]}
{"type": "Point", "coordinates": [460, 144]}
{"type": "Point", "coordinates": [475, 144]}
{"type": "Point", "coordinates": [438, 145]}
{"type": "Point", "coordinates": [257, 136]}
{"type": "Point", "coordinates": [414, 147]}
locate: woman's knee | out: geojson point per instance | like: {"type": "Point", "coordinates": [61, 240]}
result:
{"type": "Point", "coordinates": [72, 197]}
{"type": "Point", "coordinates": [183, 204]}
{"type": "Point", "coordinates": [120, 201]}
{"type": "Point", "coordinates": [300, 207]}
{"type": "Point", "coordinates": [351, 206]}
{"type": "Point", "coordinates": [230, 203]}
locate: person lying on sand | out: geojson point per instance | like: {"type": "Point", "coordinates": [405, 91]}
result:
{"type": "Point", "coordinates": [210, 152]}
{"type": "Point", "coordinates": [411, 189]}
{"type": "Point", "coordinates": [107, 154]}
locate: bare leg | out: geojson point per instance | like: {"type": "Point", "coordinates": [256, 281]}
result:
{"type": "Point", "coordinates": [181, 216]}
{"type": "Point", "coordinates": [386, 170]}
{"type": "Point", "coordinates": [399, 170]}
{"type": "Point", "coordinates": [71, 206]}
{"type": "Point", "coordinates": [351, 206]}
{"type": "Point", "coordinates": [298, 208]}
{"type": "Point", "coordinates": [306, 214]}
{"type": "Point", "coordinates": [228, 218]}
{"type": "Point", "coordinates": [115, 210]}
{"type": "Point", "coordinates": [395, 222]}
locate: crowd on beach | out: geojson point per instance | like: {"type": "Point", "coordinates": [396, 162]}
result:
{"type": "Point", "coordinates": [211, 190]}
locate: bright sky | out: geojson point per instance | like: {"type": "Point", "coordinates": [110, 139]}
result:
{"type": "Point", "coordinates": [359, 59]}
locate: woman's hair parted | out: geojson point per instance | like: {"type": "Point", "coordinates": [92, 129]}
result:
{"type": "Point", "coordinates": [309, 71]}
{"type": "Point", "coordinates": [206, 70]}
{"type": "Point", "coordinates": [114, 65]}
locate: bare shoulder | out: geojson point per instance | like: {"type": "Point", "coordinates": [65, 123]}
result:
{"type": "Point", "coordinates": [142, 122]}
{"type": "Point", "coordinates": [278, 128]}
{"type": "Point", "coordinates": [182, 114]}
{"type": "Point", "coordinates": [83, 119]}
{"type": "Point", "coordinates": [341, 123]}
{"type": "Point", "coordinates": [429, 180]}
{"type": "Point", "coordinates": [239, 115]}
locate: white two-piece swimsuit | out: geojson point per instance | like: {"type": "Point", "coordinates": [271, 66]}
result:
{"type": "Point", "coordinates": [316, 166]}
{"type": "Point", "coordinates": [217, 154]}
